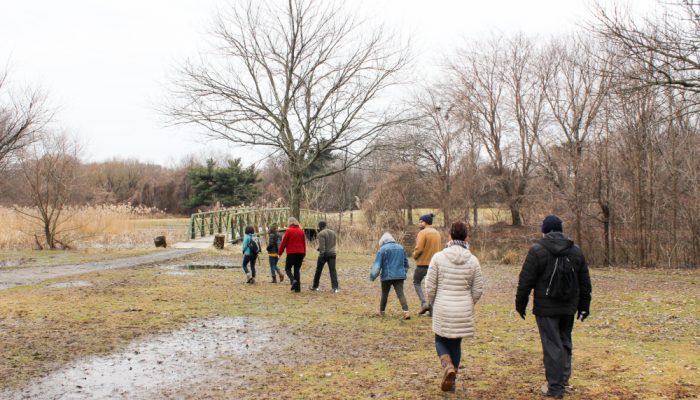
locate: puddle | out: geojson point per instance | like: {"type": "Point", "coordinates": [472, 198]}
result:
{"type": "Point", "coordinates": [179, 273]}
{"type": "Point", "coordinates": [165, 362]}
{"type": "Point", "coordinates": [71, 284]}
{"type": "Point", "coordinates": [205, 265]}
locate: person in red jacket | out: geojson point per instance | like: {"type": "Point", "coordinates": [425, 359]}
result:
{"type": "Point", "coordinates": [294, 242]}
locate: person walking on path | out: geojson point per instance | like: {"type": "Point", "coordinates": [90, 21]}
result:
{"type": "Point", "coordinates": [251, 248]}
{"type": "Point", "coordinates": [557, 271]}
{"type": "Point", "coordinates": [454, 285]}
{"type": "Point", "coordinates": [428, 242]}
{"type": "Point", "coordinates": [273, 245]}
{"type": "Point", "coordinates": [294, 242]}
{"type": "Point", "coordinates": [326, 254]}
{"type": "Point", "coordinates": [391, 263]}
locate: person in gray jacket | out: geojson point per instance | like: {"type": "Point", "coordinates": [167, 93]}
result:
{"type": "Point", "coordinates": [326, 254]}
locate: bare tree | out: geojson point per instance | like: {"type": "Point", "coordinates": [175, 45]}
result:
{"type": "Point", "coordinates": [500, 96]}
{"type": "Point", "coordinates": [665, 46]}
{"type": "Point", "coordinates": [50, 170]}
{"type": "Point", "coordinates": [22, 116]}
{"type": "Point", "coordinates": [304, 79]}
{"type": "Point", "coordinates": [440, 141]}
{"type": "Point", "coordinates": [575, 90]}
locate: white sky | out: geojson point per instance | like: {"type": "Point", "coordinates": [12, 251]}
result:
{"type": "Point", "coordinates": [104, 62]}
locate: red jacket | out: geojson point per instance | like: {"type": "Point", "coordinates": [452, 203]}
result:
{"type": "Point", "coordinates": [293, 241]}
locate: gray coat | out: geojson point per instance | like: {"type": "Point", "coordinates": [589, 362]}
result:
{"type": "Point", "coordinates": [326, 243]}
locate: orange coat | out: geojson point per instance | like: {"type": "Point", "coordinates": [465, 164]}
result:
{"type": "Point", "coordinates": [428, 242]}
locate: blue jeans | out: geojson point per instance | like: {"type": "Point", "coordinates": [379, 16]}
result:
{"type": "Point", "coordinates": [453, 347]}
{"type": "Point", "coordinates": [273, 265]}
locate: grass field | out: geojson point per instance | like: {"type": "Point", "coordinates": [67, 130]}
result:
{"type": "Point", "coordinates": [641, 341]}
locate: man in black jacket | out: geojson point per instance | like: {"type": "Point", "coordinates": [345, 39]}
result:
{"type": "Point", "coordinates": [555, 316]}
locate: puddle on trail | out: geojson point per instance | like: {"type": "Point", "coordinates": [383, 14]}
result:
{"type": "Point", "coordinates": [161, 363]}
{"type": "Point", "coordinates": [71, 284]}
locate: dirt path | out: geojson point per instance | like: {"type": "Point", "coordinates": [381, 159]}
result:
{"type": "Point", "coordinates": [164, 366]}
{"type": "Point", "coordinates": [26, 276]}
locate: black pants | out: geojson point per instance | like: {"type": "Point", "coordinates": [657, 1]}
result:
{"type": "Point", "coordinates": [555, 333]}
{"type": "Point", "coordinates": [294, 261]}
{"type": "Point", "coordinates": [249, 259]}
{"type": "Point", "coordinates": [398, 288]}
{"type": "Point", "coordinates": [331, 268]}
{"type": "Point", "coordinates": [453, 347]}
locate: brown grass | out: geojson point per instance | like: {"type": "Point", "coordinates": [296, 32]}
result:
{"type": "Point", "coordinates": [640, 342]}
{"type": "Point", "coordinates": [106, 226]}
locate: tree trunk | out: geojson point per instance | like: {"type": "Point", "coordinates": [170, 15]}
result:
{"type": "Point", "coordinates": [515, 215]}
{"type": "Point", "coordinates": [410, 214]}
{"type": "Point", "coordinates": [475, 212]}
{"type": "Point", "coordinates": [295, 193]}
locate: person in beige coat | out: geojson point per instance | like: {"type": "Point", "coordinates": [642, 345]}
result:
{"type": "Point", "coordinates": [453, 284]}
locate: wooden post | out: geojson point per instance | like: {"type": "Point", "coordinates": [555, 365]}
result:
{"type": "Point", "coordinates": [159, 241]}
{"type": "Point", "coordinates": [219, 241]}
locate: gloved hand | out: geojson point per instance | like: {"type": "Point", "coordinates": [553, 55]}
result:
{"type": "Point", "coordinates": [582, 315]}
{"type": "Point", "coordinates": [521, 312]}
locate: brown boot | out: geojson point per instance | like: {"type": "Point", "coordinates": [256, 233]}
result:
{"type": "Point", "coordinates": [448, 373]}
{"type": "Point", "coordinates": [281, 275]}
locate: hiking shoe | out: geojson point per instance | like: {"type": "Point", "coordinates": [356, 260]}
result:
{"type": "Point", "coordinates": [336, 290]}
{"type": "Point", "coordinates": [406, 315]}
{"type": "Point", "coordinates": [545, 392]}
{"type": "Point", "coordinates": [424, 309]}
{"type": "Point", "coordinates": [314, 289]}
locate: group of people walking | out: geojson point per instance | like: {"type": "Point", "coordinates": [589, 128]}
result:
{"type": "Point", "coordinates": [448, 282]}
{"type": "Point", "coordinates": [294, 243]}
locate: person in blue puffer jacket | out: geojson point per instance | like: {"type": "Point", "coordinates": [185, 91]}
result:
{"type": "Point", "coordinates": [391, 264]}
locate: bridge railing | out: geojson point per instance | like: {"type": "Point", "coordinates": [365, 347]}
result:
{"type": "Point", "coordinates": [232, 222]}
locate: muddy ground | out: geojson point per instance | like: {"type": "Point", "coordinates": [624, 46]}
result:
{"type": "Point", "coordinates": [168, 331]}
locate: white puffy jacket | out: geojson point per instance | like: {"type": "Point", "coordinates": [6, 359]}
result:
{"type": "Point", "coordinates": [454, 284]}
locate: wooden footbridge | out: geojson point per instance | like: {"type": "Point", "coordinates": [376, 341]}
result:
{"type": "Point", "coordinates": [232, 222]}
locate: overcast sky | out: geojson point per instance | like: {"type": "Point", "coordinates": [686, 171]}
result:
{"type": "Point", "coordinates": [103, 63]}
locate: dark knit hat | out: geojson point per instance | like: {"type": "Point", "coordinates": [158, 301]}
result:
{"type": "Point", "coordinates": [427, 218]}
{"type": "Point", "coordinates": [551, 223]}
{"type": "Point", "coordinates": [322, 224]}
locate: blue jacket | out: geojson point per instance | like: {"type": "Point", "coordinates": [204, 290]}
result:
{"type": "Point", "coordinates": [391, 262]}
{"type": "Point", "coordinates": [246, 240]}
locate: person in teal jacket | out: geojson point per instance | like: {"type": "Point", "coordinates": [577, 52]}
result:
{"type": "Point", "coordinates": [391, 263]}
{"type": "Point", "coordinates": [250, 253]}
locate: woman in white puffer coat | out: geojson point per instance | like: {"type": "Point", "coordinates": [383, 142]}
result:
{"type": "Point", "coordinates": [453, 284]}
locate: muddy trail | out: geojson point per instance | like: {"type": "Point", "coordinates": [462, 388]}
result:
{"type": "Point", "coordinates": [214, 353]}
{"type": "Point", "coordinates": [30, 275]}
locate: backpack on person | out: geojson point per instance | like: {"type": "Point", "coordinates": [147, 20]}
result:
{"type": "Point", "coordinates": [254, 245]}
{"type": "Point", "coordinates": [563, 282]}
{"type": "Point", "coordinates": [272, 244]}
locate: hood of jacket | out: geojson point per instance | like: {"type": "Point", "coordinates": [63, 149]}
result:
{"type": "Point", "coordinates": [457, 255]}
{"type": "Point", "coordinates": [386, 238]}
{"type": "Point", "coordinates": [557, 243]}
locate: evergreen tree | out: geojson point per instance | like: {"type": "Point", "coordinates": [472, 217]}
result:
{"type": "Point", "coordinates": [232, 185]}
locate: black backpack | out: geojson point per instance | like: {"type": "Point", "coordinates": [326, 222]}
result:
{"type": "Point", "coordinates": [563, 282]}
{"type": "Point", "coordinates": [254, 245]}
{"type": "Point", "coordinates": [272, 246]}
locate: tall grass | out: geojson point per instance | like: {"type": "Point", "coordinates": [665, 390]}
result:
{"type": "Point", "coordinates": [99, 226]}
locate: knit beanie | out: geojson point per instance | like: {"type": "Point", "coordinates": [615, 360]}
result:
{"type": "Point", "coordinates": [551, 223]}
{"type": "Point", "coordinates": [427, 218]}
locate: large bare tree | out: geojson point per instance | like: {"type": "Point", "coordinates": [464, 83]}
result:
{"type": "Point", "coordinates": [302, 78]}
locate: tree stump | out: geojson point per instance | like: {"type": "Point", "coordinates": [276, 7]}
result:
{"type": "Point", "coordinates": [159, 241]}
{"type": "Point", "coordinates": [219, 241]}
